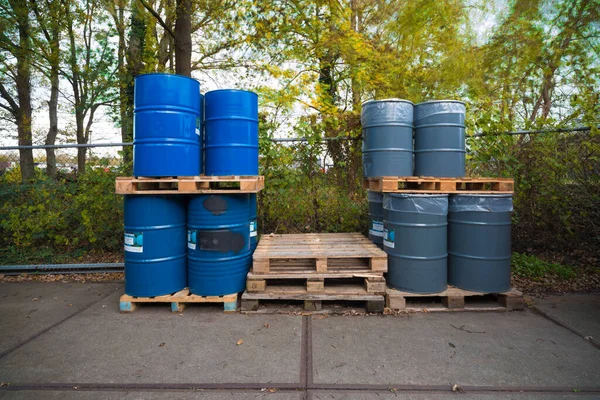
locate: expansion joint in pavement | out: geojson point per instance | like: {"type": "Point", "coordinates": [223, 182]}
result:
{"type": "Point", "coordinates": [40, 333]}
{"type": "Point", "coordinates": [558, 322]}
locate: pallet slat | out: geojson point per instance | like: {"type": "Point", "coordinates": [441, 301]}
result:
{"type": "Point", "coordinates": [189, 185]}
{"type": "Point", "coordinates": [453, 299]}
{"type": "Point", "coordinates": [421, 184]}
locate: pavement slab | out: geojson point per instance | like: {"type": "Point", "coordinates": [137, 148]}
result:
{"type": "Point", "coordinates": [28, 308]}
{"type": "Point", "coordinates": [391, 395]}
{"type": "Point", "coordinates": [152, 345]}
{"type": "Point", "coordinates": [480, 349]}
{"type": "Point", "coordinates": [580, 312]}
{"type": "Point", "coordinates": [152, 395]}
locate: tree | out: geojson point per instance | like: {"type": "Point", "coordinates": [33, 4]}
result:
{"type": "Point", "coordinates": [16, 67]}
{"type": "Point", "coordinates": [48, 15]}
{"type": "Point", "coordinates": [91, 69]}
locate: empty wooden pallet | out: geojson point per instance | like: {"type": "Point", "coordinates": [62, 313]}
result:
{"type": "Point", "coordinates": [454, 299]}
{"type": "Point", "coordinates": [312, 301]}
{"type": "Point", "coordinates": [190, 185]}
{"type": "Point", "coordinates": [327, 253]}
{"type": "Point", "coordinates": [178, 301]}
{"type": "Point", "coordinates": [422, 184]}
{"type": "Point", "coordinates": [311, 283]}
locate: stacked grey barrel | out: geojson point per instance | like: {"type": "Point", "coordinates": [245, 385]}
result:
{"type": "Point", "coordinates": [387, 150]}
{"type": "Point", "coordinates": [432, 239]}
{"type": "Point", "coordinates": [415, 228]}
{"type": "Point", "coordinates": [440, 138]}
{"type": "Point", "coordinates": [387, 137]}
{"type": "Point", "coordinates": [479, 242]}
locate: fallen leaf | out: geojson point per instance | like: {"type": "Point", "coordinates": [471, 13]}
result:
{"type": "Point", "coordinates": [3, 384]}
{"type": "Point", "coordinates": [267, 325]}
{"type": "Point", "coordinates": [162, 344]}
{"type": "Point", "coordinates": [35, 299]}
{"type": "Point", "coordinates": [272, 390]}
{"type": "Point", "coordinates": [239, 342]}
{"type": "Point", "coordinates": [451, 345]}
{"type": "Point", "coordinates": [70, 305]}
{"type": "Point", "coordinates": [457, 388]}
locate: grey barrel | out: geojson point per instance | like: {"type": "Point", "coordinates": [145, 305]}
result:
{"type": "Point", "coordinates": [387, 137]}
{"type": "Point", "coordinates": [415, 239]}
{"type": "Point", "coordinates": [376, 218]}
{"type": "Point", "coordinates": [440, 138]}
{"type": "Point", "coordinates": [479, 242]}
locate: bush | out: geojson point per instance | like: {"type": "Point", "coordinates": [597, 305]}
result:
{"type": "Point", "coordinates": [62, 214]}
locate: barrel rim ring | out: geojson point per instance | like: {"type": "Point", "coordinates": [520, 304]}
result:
{"type": "Point", "coordinates": [410, 195]}
{"type": "Point", "coordinates": [502, 195]}
{"type": "Point", "coordinates": [168, 74]}
{"type": "Point", "coordinates": [231, 90]}
{"type": "Point", "coordinates": [441, 101]}
{"type": "Point", "coordinates": [390, 100]}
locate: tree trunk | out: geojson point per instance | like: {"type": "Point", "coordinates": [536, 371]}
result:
{"type": "Point", "coordinates": [53, 114]}
{"type": "Point", "coordinates": [355, 22]}
{"type": "Point", "coordinates": [23, 83]}
{"type": "Point", "coordinates": [134, 67]}
{"type": "Point", "coordinates": [81, 151]}
{"type": "Point", "coordinates": [53, 103]}
{"type": "Point", "coordinates": [183, 38]}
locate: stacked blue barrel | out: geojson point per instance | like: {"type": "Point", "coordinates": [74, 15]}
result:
{"type": "Point", "coordinates": [222, 227]}
{"type": "Point", "coordinates": [203, 242]}
{"type": "Point", "coordinates": [432, 239]}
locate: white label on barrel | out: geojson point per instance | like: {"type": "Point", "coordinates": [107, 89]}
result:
{"type": "Point", "coordinates": [197, 131]}
{"type": "Point", "coordinates": [253, 229]}
{"type": "Point", "coordinates": [191, 239]}
{"type": "Point", "coordinates": [377, 229]}
{"type": "Point", "coordinates": [134, 242]}
{"type": "Point", "coordinates": [388, 238]}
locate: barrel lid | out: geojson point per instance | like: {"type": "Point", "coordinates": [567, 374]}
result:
{"type": "Point", "coordinates": [231, 90]}
{"type": "Point", "coordinates": [167, 74]}
{"type": "Point", "coordinates": [391, 100]}
{"type": "Point", "coordinates": [441, 101]}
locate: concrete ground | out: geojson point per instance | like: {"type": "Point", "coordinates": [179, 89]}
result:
{"type": "Point", "coordinates": [68, 341]}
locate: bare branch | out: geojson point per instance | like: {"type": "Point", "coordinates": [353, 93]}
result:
{"type": "Point", "coordinates": [158, 18]}
{"type": "Point", "coordinates": [6, 96]}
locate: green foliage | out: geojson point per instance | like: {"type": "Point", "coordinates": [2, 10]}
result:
{"type": "Point", "coordinates": [62, 214]}
{"type": "Point", "coordinates": [527, 266]}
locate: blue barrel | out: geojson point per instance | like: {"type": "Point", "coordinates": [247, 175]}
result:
{"type": "Point", "coordinates": [415, 240]}
{"type": "Point", "coordinates": [155, 253]}
{"type": "Point", "coordinates": [440, 138]}
{"type": "Point", "coordinates": [253, 222]}
{"type": "Point", "coordinates": [231, 132]}
{"type": "Point", "coordinates": [376, 218]}
{"type": "Point", "coordinates": [387, 127]}
{"type": "Point", "coordinates": [219, 252]}
{"type": "Point", "coordinates": [167, 126]}
{"type": "Point", "coordinates": [479, 242]}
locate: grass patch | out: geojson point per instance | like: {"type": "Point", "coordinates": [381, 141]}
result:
{"type": "Point", "coordinates": [532, 267]}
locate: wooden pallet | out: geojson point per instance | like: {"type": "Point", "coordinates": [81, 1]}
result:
{"type": "Point", "coordinates": [178, 301]}
{"type": "Point", "coordinates": [423, 184]}
{"type": "Point", "coordinates": [454, 299]}
{"type": "Point", "coordinates": [311, 283]}
{"type": "Point", "coordinates": [327, 253]}
{"type": "Point", "coordinates": [313, 301]}
{"type": "Point", "coordinates": [190, 185]}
